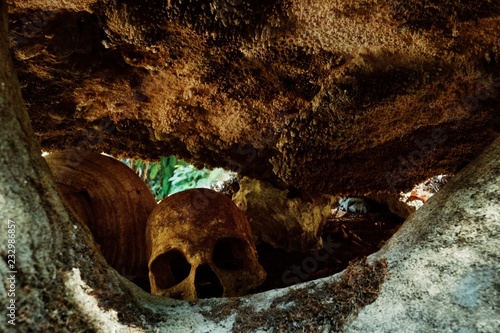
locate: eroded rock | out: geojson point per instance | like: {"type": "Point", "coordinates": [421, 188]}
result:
{"type": "Point", "coordinates": [444, 262]}
{"type": "Point", "coordinates": [439, 273]}
{"type": "Point", "coordinates": [281, 219]}
{"type": "Point", "coordinates": [328, 96]}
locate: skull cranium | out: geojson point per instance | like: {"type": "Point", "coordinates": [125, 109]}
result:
{"type": "Point", "coordinates": [201, 246]}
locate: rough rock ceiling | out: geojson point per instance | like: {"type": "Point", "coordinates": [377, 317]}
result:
{"type": "Point", "coordinates": [319, 95]}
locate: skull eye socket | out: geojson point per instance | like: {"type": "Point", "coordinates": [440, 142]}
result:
{"type": "Point", "coordinates": [169, 269]}
{"type": "Point", "coordinates": [230, 253]}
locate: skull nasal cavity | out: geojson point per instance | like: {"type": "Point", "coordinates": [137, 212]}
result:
{"type": "Point", "coordinates": [207, 283]}
{"type": "Point", "coordinates": [169, 269]}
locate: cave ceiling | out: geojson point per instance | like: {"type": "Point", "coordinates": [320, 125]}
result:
{"type": "Point", "coordinates": [321, 95]}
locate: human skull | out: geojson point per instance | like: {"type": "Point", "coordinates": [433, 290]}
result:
{"type": "Point", "coordinates": [201, 246]}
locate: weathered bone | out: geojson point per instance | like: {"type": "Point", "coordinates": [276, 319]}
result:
{"type": "Point", "coordinates": [201, 246]}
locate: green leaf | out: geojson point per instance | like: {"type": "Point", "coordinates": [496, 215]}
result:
{"type": "Point", "coordinates": [216, 173]}
{"type": "Point", "coordinates": [153, 172]}
{"type": "Point", "coordinates": [172, 161]}
{"type": "Point", "coordinates": [203, 182]}
{"type": "Point", "coordinates": [164, 162]}
{"type": "Point", "coordinates": [165, 187]}
{"type": "Point", "coordinates": [177, 180]}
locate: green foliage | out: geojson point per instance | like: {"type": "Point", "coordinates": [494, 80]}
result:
{"type": "Point", "coordinates": [170, 175]}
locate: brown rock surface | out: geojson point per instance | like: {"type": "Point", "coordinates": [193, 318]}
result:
{"type": "Point", "coordinates": [328, 96]}
{"type": "Point", "coordinates": [281, 220]}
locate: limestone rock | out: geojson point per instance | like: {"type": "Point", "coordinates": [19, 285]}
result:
{"type": "Point", "coordinates": [326, 96]}
{"type": "Point", "coordinates": [444, 262]}
{"type": "Point", "coordinates": [439, 273]}
{"type": "Point", "coordinates": [281, 221]}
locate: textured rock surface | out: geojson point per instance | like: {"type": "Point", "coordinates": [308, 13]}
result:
{"type": "Point", "coordinates": [329, 96]}
{"type": "Point", "coordinates": [444, 262]}
{"type": "Point", "coordinates": [442, 275]}
{"type": "Point", "coordinates": [282, 219]}
{"type": "Point", "coordinates": [64, 284]}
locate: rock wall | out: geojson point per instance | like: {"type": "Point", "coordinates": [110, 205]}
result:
{"type": "Point", "coordinates": [320, 95]}
{"type": "Point", "coordinates": [444, 262]}
{"type": "Point", "coordinates": [440, 272]}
